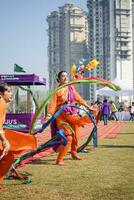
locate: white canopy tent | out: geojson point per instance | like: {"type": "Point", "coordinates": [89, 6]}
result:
{"type": "Point", "coordinates": [125, 90]}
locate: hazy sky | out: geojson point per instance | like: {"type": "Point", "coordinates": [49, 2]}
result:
{"type": "Point", "coordinates": [23, 35]}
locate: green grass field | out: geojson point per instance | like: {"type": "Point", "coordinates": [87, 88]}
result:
{"type": "Point", "coordinates": [106, 173]}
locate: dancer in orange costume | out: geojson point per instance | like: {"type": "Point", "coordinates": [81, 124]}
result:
{"type": "Point", "coordinates": [68, 118]}
{"type": "Point", "coordinates": [10, 141]}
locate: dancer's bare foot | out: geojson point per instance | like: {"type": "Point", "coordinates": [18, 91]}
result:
{"type": "Point", "coordinates": [3, 187]}
{"type": "Point", "coordinates": [77, 158]}
{"type": "Point", "coordinates": [60, 162]}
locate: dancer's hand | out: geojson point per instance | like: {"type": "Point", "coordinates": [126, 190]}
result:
{"type": "Point", "coordinates": [47, 117]}
{"type": "Point", "coordinates": [91, 110]}
{"type": "Point", "coordinates": [6, 147]}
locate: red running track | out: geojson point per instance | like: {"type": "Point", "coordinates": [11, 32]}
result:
{"type": "Point", "coordinates": [109, 131]}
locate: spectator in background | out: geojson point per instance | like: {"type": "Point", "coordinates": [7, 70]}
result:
{"type": "Point", "coordinates": [120, 112]}
{"type": "Point", "coordinates": [105, 109]}
{"type": "Point", "coordinates": [113, 111]}
{"type": "Point", "coordinates": [96, 107]}
{"type": "Point", "coordinates": [131, 110]}
{"type": "Point", "coordinates": [121, 108]}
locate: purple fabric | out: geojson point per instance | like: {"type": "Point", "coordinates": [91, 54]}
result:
{"type": "Point", "coordinates": [105, 108]}
{"type": "Point", "coordinates": [71, 96]}
{"type": "Point", "coordinates": [54, 130]}
{"type": "Point", "coordinates": [70, 99]}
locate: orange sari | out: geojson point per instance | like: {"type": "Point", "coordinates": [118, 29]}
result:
{"type": "Point", "coordinates": [65, 118]}
{"type": "Point", "coordinates": [19, 142]}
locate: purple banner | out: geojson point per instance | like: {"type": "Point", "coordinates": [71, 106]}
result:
{"type": "Point", "coordinates": [22, 121]}
{"type": "Point", "coordinates": [22, 79]}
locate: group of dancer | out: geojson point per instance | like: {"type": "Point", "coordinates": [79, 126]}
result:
{"type": "Point", "coordinates": [69, 121]}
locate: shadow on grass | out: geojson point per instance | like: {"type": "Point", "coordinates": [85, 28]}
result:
{"type": "Point", "coordinates": [128, 133]}
{"type": "Point", "coordinates": [48, 161]}
{"type": "Point", "coordinates": [44, 162]}
{"type": "Point", "coordinates": [116, 146]}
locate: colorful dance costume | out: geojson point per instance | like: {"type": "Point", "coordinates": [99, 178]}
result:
{"type": "Point", "coordinates": [18, 142]}
{"type": "Point", "coordinates": [68, 120]}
